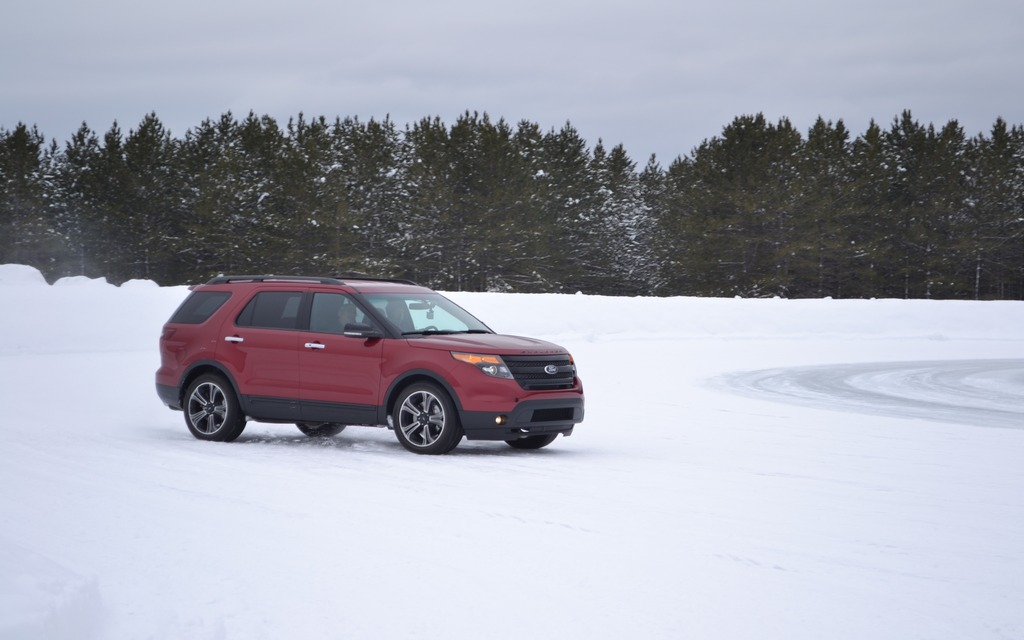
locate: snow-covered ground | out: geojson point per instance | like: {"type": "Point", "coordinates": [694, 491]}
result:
{"type": "Point", "coordinates": [762, 469]}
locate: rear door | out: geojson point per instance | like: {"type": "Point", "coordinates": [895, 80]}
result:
{"type": "Point", "coordinates": [339, 376]}
{"type": "Point", "coordinates": [261, 349]}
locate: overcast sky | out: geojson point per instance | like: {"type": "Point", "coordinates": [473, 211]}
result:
{"type": "Point", "coordinates": [658, 76]}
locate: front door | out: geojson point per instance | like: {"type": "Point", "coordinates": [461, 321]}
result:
{"type": "Point", "coordinates": [339, 376]}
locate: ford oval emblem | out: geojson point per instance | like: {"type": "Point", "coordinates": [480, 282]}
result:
{"type": "Point", "coordinates": [551, 369]}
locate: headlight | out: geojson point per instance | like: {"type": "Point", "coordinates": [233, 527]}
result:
{"type": "Point", "coordinates": [492, 366]}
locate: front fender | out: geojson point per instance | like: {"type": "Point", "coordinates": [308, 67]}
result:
{"type": "Point", "coordinates": [411, 377]}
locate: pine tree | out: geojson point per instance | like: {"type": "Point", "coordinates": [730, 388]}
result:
{"type": "Point", "coordinates": [683, 266]}
{"type": "Point", "coordinates": [924, 174]}
{"type": "Point", "coordinates": [262, 198]}
{"type": "Point", "coordinates": [311, 225]}
{"type": "Point", "coordinates": [430, 244]}
{"type": "Point", "coordinates": [949, 216]}
{"type": "Point", "coordinates": [77, 205]}
{"type": "Point", "coordinates": [481, 158]}
{"type": "Point", "coordinates": [26, 232]}
{"type": "Point", "coordinates": [994, 247]}
{"type": "Point", "coordinates": [367, 177]}
{"type": "Point", "coordinates": [240, 217]}
{"type": "Point", "coordinates": [209, 224]}
{"type": "Point", "coordinates": [731, 208]}
{"type": "Point", "coordinates": [111, 230]}
{"type": "Point", "coordinates": [653, 193]}
{"type": "Point", "coordinates": [496, 196]}
{"type": "Point", "coordinates": [566, 191]}
{"type": "Point", "coordinates": [821, 253]}
{"type": "Point", "coordinates": [152, 201]}
{"type": "Point", "coordinates": [532, 231]}
{"type": "Point", "coordinates": [621, 230]}
{"type": "Point", "coordinates": [870, 234]}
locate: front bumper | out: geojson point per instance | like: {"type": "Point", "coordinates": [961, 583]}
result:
{"type": "Point", "coordinates": [528, 418]}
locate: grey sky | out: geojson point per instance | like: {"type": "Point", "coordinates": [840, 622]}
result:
{"type": "Point", "coordinates": [658, 76]}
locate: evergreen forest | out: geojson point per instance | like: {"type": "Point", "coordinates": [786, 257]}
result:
{"type": "Point", "coordinates": [905, 210]}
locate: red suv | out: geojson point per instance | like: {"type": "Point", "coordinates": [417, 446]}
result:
{"type": "Point", "coordinates": [324, 353]}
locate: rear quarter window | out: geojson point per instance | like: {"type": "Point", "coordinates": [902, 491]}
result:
{"type": "Point", "coordinates": [199, 306]}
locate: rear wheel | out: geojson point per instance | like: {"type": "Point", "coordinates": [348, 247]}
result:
{"type": "Point", "coordinates": [425, 420]}
{"type": "Point", "coordinates": [532, 442]}
{"type": "Point", "coordinates": [320, 429]}
{"type": "Point", "coordinates": [212, 411]}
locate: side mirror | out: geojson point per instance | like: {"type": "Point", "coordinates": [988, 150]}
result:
{"type": "Point", "coordinates": [360, 330]}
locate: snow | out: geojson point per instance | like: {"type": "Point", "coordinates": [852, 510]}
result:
{"type": "Point", "coordinates": [788, 469]}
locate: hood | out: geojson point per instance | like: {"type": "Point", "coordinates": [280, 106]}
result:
{"type": "Point", "coordinates": [488, 343]}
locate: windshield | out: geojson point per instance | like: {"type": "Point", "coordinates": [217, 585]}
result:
{"type": "Point", "coordinates": [425, 314]}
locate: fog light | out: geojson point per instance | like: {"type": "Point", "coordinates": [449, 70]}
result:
{"type": "Point", "coordinates": [501, 420]}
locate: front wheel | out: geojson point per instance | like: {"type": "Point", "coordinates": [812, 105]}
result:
{"type": "Point", "coordinates": [532, 442]}
{"type": "Point", "coordinates": [212, 411]}
{"type": "Point", "coordinates": [425, 420]}
{"type": "Point", "coordinates": [320, 429]}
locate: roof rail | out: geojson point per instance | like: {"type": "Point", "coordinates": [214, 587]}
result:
{"type": "Point", "coordinates": [340, 279]}
{"type": "Point", "coordinates": [358, 276]}
{"type": "Point", "coordinates": [221, 280]}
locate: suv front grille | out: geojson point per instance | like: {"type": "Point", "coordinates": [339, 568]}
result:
{"type": "Point", "coordinates": [530, 373]}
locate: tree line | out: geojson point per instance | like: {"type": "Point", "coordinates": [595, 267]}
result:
{"type": "Point", "coordinates": [906, 211]}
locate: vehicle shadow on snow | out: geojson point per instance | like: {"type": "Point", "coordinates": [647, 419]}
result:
{"type": "Point", "coordinates": [367, 440]}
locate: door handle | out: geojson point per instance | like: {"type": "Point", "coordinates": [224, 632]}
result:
{"type": "Point", "coordinates": [315, 345]}
{"type": "Point", "coordinates": [234, 339]}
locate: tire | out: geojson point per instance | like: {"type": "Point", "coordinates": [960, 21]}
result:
{"type": "Point", "coordinates": [212, 411]}
{"type": "Point", "coordinates": [320, 429]}
{"type": "Point", "coordinates": [425, 420]}
{"type": "Point", "coordinates": [532, 442]}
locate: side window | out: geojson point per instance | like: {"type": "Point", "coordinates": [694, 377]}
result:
{"type": "Point", "coordinates": [332, 311]}
{"type": "Point", "coordinates": [272, 310]}
{"type": "Point", "coordinates": [199, 306]}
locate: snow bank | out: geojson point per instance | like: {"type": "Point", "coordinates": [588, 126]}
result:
{"type": "Point", "coordinates": [80, 314]}
{"type": "Point", "coordinates": [16, 275]}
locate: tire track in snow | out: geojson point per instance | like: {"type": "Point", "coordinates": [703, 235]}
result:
{"type": "Point", "coordinates": [984, 393]}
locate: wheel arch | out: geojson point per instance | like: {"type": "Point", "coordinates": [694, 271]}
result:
{"type": "Point", "coordinates": [203, 367]}
{"type": "Point", "coordinates": [410, 378]}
